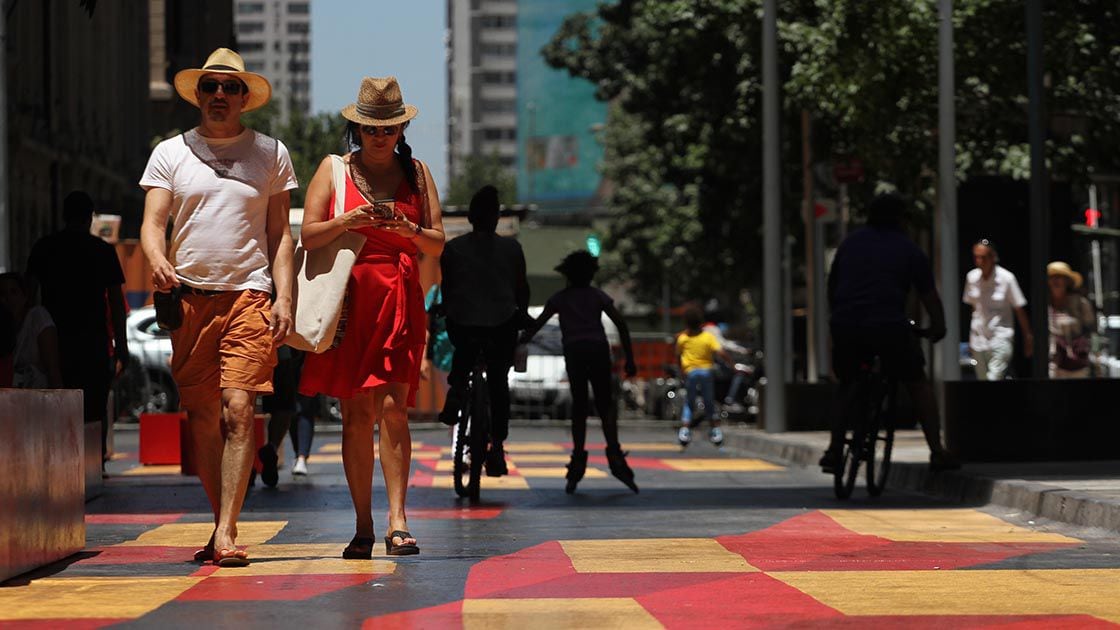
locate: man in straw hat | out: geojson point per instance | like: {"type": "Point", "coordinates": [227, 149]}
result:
{"type": "Point", "coordinates": [226, 190]}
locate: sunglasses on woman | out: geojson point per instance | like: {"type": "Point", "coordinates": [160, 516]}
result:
{"type": "Point", "coordinates": [391, 130]}
{"type": "Point", "coordinates": [232, 87]}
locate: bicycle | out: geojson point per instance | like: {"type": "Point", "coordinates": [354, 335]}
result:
{"type": "Point", "coordinates": [873, 405]}
{"type": "Point", "coordinates": [471, 437]}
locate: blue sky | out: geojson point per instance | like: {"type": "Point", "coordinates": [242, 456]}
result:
{"type": "Point", "coordinates": [351, 40]}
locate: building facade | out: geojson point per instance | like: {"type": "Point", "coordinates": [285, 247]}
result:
{"type": "Point", "coordinates": [274, 38]}
{"type": "Point", "coordinates": [481, 81]}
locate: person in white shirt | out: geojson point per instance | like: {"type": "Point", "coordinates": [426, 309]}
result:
{"type": "Point", "coordinates": [994, 295]}
{"type": "Point", "coordinates": [225, 188]}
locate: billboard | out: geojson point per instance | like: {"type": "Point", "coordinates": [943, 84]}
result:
{"type": "Point", "coordinates": [557, 115]}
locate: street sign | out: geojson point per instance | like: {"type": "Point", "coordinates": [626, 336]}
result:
{"type": "Point", "coordinates": [847, 170]}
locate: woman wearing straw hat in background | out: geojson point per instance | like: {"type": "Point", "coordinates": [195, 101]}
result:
{"type": "Point", "coordinates": [1071, 320]}
{"type": "Point", "coordinates": [375, 367]}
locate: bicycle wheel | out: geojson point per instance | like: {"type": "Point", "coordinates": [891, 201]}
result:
{"type": "Point", "coordinates": [844, 476]}
{"type": "Point", "coordinates": [479, 435]}
{"type": "Point", "coordinates": [461, 454]}
{"type": "Point", "coordinates": [880, 442]}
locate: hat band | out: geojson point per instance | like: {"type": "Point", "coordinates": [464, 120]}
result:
{"type": "Point", "coordinates": [222, 67]}
{"type": "Point", "coordinates": [381, 111]}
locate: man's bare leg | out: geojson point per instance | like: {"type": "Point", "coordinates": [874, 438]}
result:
{"type": "Point", "coordinates": [357, 458]}
{"type": "Point", "coordinates": [238, 407]}
{"type": "Point", "coordinates": [395, 444]}
{"type": "Point", "coordinates": [207, 444]}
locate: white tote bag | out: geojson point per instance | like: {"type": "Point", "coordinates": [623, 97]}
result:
{"type": "Point", "coordinates": [321, 278]}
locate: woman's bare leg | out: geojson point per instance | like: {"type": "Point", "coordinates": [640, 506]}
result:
{"type": "Point", "coordinates": [357, 457]}
{"type": "Point", "coordinates": [396, 452]}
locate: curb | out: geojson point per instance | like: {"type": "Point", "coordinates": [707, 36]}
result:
{"type": "Point", "coordinates": [1042, 500]}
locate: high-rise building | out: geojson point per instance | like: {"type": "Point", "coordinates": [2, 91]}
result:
{"type": "Point", "coordinates": [274, 39]}
{"type": "Point", "coordinates": [482, 81]}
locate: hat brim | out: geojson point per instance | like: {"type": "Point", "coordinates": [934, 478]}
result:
{"type": "Point", "coordinates": [1074, 277]}
{"type": "Point", "coordinates": [350, 112]}
{"type": "Point", "coordinates": [260, 90]}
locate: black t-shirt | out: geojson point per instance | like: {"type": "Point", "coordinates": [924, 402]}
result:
{"type": "Point", "coordinates": [74, 270]}
{"type": "Point", "coordinates": [873, 271]}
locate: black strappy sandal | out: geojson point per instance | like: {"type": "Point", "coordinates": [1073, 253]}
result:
{"type": "Point", "coordinates": [360, 548]}
{"type": "Point", "coordinates": [401, 549]}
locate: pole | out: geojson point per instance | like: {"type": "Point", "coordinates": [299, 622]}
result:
{"type": "Point", "coordinates": [773, 321]}
{"type": "Point", "coordinates": [5, 218]}
{"type": "Point", "coordinates": [1098, 292]}
{"type": "Point", "coordinates": [947, 194]}
{"type": "Point", "coordinates": [1039, 207]}
{"type": "Point", "coordinates": [809, 214]}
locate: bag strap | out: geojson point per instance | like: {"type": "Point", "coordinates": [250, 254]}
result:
{"type": "Point", "coordinates": [338, 177]}
{"type": "Point", "coordinates": [422, 184]}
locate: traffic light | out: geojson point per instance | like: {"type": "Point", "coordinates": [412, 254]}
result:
{"type": "Point", "coordinates": [593, 245]}
{"type": "Point", "coordinates": [1092, 217]}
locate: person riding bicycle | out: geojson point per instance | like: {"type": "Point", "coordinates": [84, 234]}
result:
{"type": "Point", "coordinates": [871, 276]}
{"type": "Point", "coordinates": [486, 301]}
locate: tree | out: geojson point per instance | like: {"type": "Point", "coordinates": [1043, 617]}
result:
{"type": "Point", "coordinates": [309, 139]}
{"type": "Point", "coordinates": [478, 171]}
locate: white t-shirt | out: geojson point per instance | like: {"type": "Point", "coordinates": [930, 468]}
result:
{"type": "Point", "coordinates": [219, 239]}
{"type": "Point", "coordinates": [993, 302]}
{"type": "Point", "coordinates": [28, 365]}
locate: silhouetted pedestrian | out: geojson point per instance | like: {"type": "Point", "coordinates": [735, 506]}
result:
{"type": "Point", "coordinates": [35, 356]}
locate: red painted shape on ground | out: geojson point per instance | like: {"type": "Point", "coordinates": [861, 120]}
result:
{"type": "Point", "coordinates": [60, 624]}
{"type": "Point", "coordinates": [463, 513]}
{"type": "Point", "coordinates": [535, 565]}
{"type": "Point", "coordinates": [637, 463]}
{"type": "Point", "coordinates": [138, 555]}
{"type": "Point", "coordinates": [421, 479]}
{"type": "Point", "coordinates": [815, 542]}
{"type": "Point", "coordinates": [132, 519]}
{"type": "Point", "coordinates": [442, 616]}
{"type": "Point", "coordinates": [937, 622]}
{"type": "Point", "coordinates": [271, 587]}
{"type": "Point", "coordinates": [738, 600]}
{"type": "Point", "coordinates": [611, 585]}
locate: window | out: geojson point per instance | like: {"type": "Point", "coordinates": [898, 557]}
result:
{"type": "Point", "coordinates": [503, 50]}
{"type": "Point", "coordinates": [251, 47]}
{"type": "Point", "coordinates": [499, 134]}
{"type": "Point", "coordinates": [499, 78]}
{"type": "Point", "coordinates": [299, 8]}
{"type": "Point", "coordinates": [300, 85]}
{"type": "Point", "coordinates": [299, 47]}
{"type": "Point", "coordinates": [499, 106]}
{"type": "Point", "coordinates": [250, 27]}
{"type": "Point", "coordinates": [295, 28]}
{"type": "Point", "coordinates": [254, 66]}
{"type": "Point", "coordinates": [499, 21]}
{"type": "Point", "coordinates": [298, 66]}
{"type": "Point", "coordinates": [250, 8]}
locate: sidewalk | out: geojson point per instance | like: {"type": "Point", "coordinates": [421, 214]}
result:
{"type": "Point", "coordinates": [1078, 493]}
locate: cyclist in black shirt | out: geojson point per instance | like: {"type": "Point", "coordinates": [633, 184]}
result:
{"type": "Point", "coordinates": [871, 276]}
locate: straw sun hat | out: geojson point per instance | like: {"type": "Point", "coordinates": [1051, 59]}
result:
{"type": "Point", "coordinates": [224, 61]}
{"type": "Point", "coordinates": [380, 104]}
{"type": "Point", "coordinates": [1059, 268]}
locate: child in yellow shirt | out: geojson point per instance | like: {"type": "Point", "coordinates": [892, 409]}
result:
{"type": "Point", "coordinates": [696, 352]}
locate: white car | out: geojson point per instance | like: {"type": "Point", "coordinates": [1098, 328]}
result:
{"type": "Point", "coordinates": [147, 386]}
{"type": "Point", "coordinates": [542, 389]}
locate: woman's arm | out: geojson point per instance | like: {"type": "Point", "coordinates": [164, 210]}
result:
{"type": "Point", "coordinates": [536, 324]}
{"type": "Point", "coordinates": [317, 230]}
{"type": "Point", "coordinates": [624, 335]}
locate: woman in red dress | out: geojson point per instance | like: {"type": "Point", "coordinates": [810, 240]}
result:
{"type": "Point", "coordinates": [375, 368]}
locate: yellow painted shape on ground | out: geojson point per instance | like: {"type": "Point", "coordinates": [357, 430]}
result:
{"type": "Point", "coordinates": [88, 598]}
{"type": "Point", "coordinates": [333, 447]}
{"type": "Point", "coordinates": [534, 447]}
{"type": "Point", "coordinates": [558, 472]}
{"type": "Point", "coordinates": [297, 551]}
{"type": "Point", "coordinates": [544, 614]}
{"type": "Point", "coordinates": [324, 458]}
{"type": "Point", "coordinates": [982, 592]}
{"type": "Point", "coordinates": [538, 458]}
{"type": "Point", "coordinates": [508, 482]}
{"type": "Point", "coordinates": [653, 555]}
{"type": "Point", "coordinates": [721, 465]}
{"type": "Point", "coordinates": [949, 525]}
{"type": "Point", "coordinates": [161, 469]}
{"type": "Point", "coordinates": [446, 465]}
{"type": "Point", "coordinates": [196, 534]}
{"type": "Point", "coordinates": [260, 565]}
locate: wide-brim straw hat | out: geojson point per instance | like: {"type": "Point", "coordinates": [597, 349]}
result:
{"type": "Point", "coordinates": [1059, 268]}
{"type": "Point", "coordinates": [380, 104]}
{"type": "Point", "coordinates": [224, 61]}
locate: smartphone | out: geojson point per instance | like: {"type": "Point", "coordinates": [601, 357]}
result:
{"type": "Point", "coordinates": [383, 209]}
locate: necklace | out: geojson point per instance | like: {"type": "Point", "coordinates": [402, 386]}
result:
{"type": "Point", "coordinates": [362, 181]}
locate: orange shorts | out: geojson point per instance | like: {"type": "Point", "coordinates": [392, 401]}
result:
{"type": "Point", "coordinates": [224, 343]}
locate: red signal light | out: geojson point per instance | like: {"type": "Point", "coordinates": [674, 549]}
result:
{"type": "Point", "coordinates": [1092, 217]}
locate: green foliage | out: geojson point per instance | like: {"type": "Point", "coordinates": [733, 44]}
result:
{"type": "Point", "coordinates": [478, 171]}
{"type": "Point", "coordinates": [683, 143]}
{"type": "Point", "coordinates": [309, 139]}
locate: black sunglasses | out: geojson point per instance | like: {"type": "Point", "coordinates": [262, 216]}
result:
{"type": "Point", "coordinates": [233, 87]}
{"type": "Point", "coordinates": [391, 130]}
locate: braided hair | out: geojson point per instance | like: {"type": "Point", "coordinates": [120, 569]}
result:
{"type": "Point", "coordinates": [352, 138]}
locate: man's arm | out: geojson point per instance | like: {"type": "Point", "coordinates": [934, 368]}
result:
{"type": "Point", "coordinates": [120, 335]}
{"type": "Point", "coordinates": [536, 324]}
{"type": "Point", "coordinates": [157, 208]}
{"type": "Point", "coordinates": [932, 303]}
{"type": "Point", "coordinates": [521, 286]}
{"type": "Point", "coordinates": [281, 251]}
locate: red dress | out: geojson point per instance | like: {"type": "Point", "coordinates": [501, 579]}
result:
{"type": "Point", "coordinates": [385, 320]}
